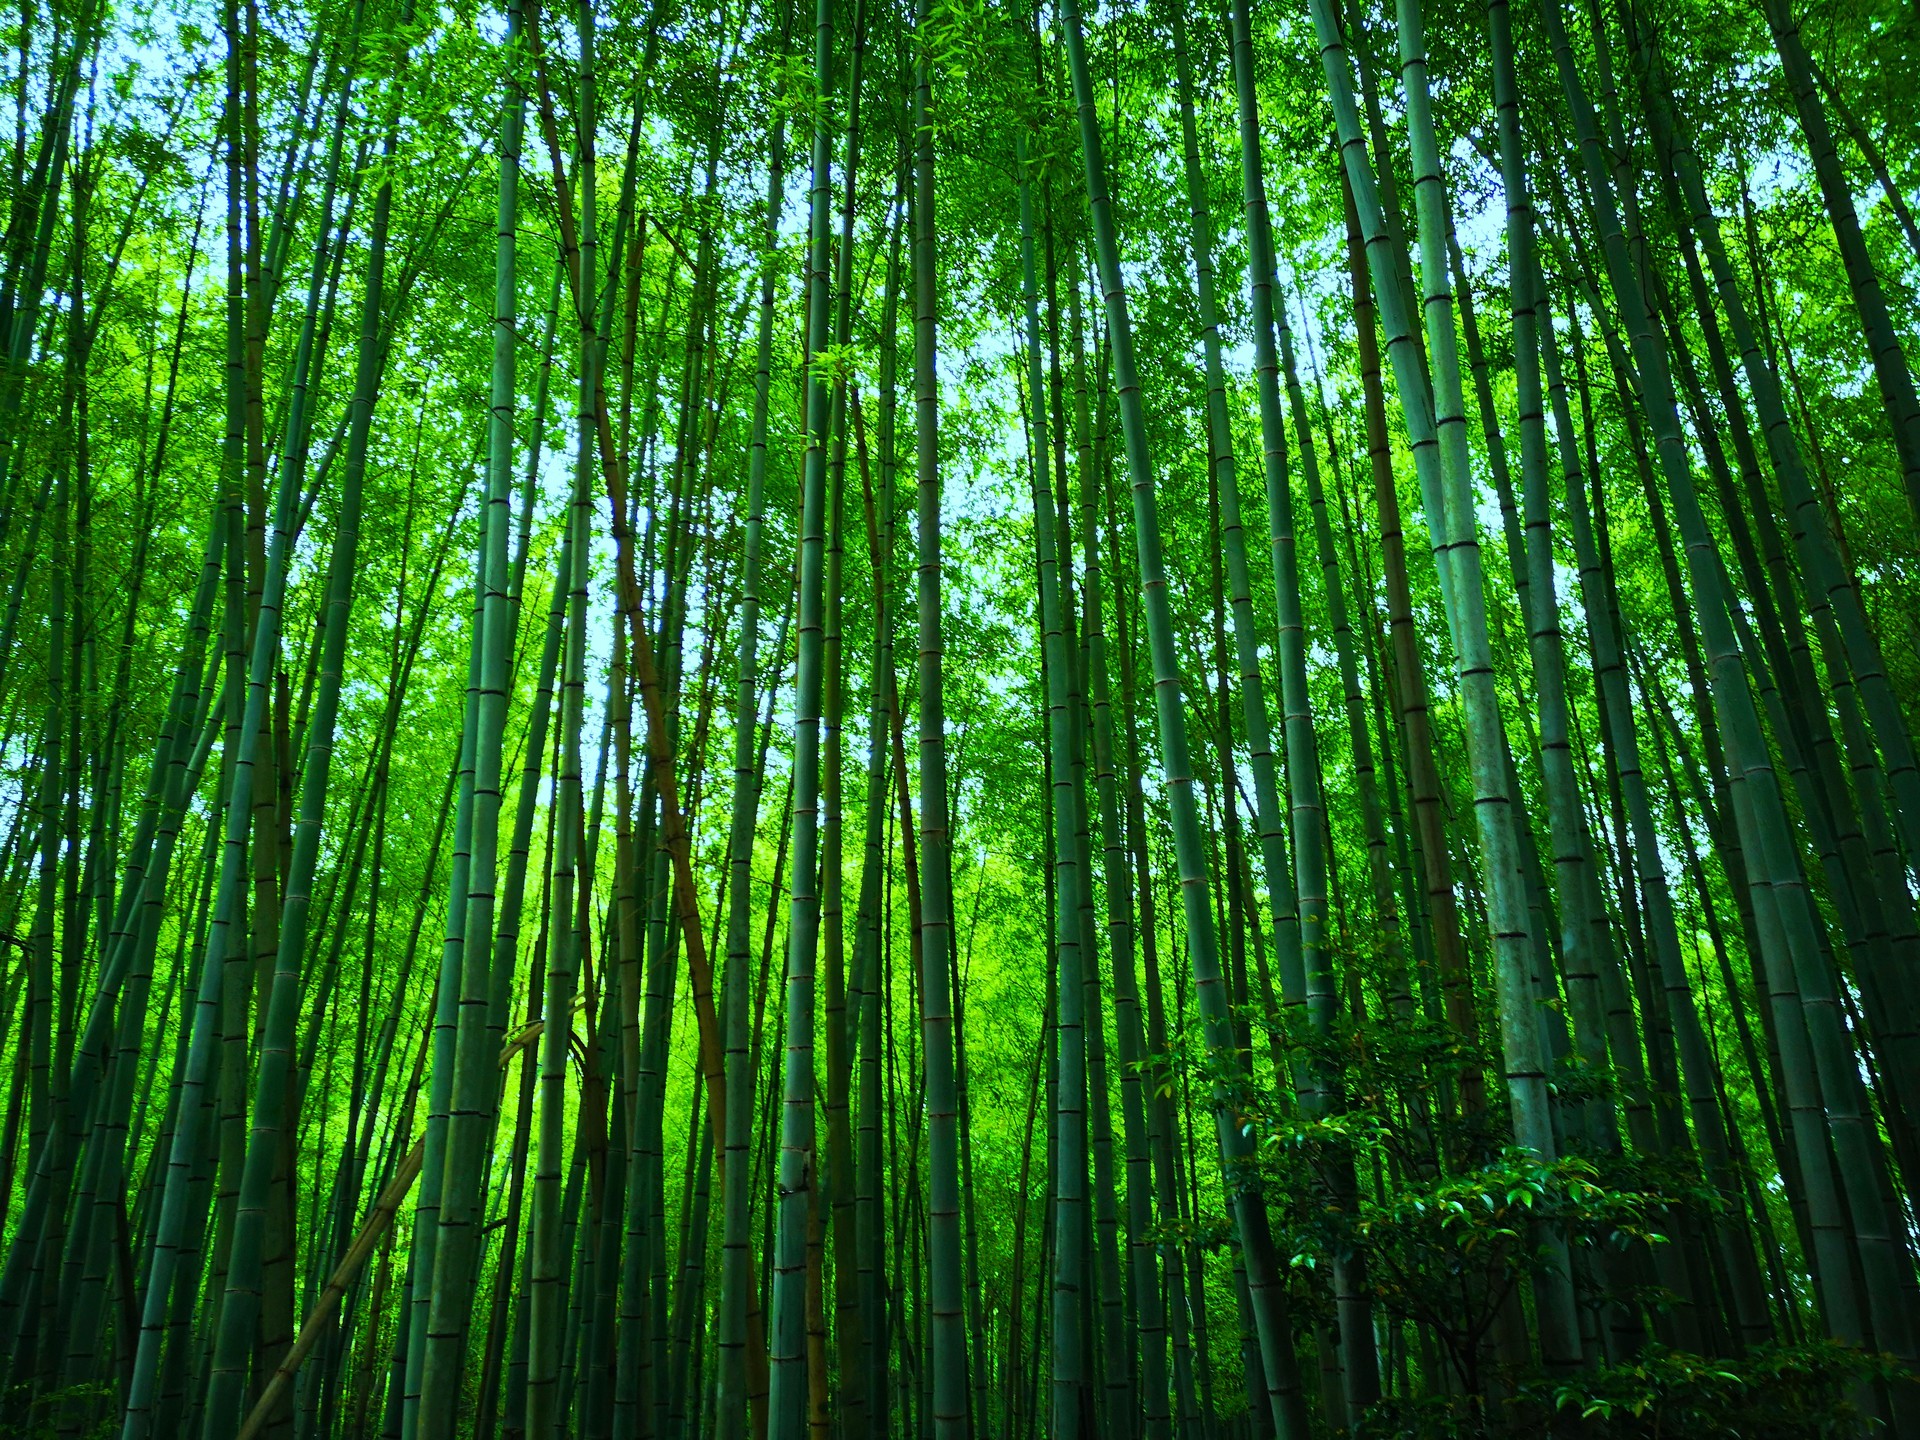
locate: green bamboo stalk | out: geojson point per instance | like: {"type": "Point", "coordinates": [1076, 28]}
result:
{"type": "Point", "coordinates": [1149, 1307]}
{"type": "Point", "coordinates": [1360, 1367]}
{"type": "Point", "coordinates": [798, 1167]}
{"type": "Point", "coordinates": [870, 1212]}
{"type": "Point", "coordinates": [1437, 427]}
{"type": "Point", "coordinates": [543, 1416]}
{"type": "Point", "coordinates": [475, 1069]}
{"type": "Point", "coordinates": [736, 1198]}
{"type": "Point", "coordinates": [1374, 820]}
{"type": "Point", "coordinates": [840, 1035]}
{"type": "Point", "coordinates": [946, 1313]}
{"type": "Point", "coordinates": [1072, 1394]}
{"type": "Point", "coordinates": [1283, 1386]}
{"type": "Point", "coordinates": [1584, 943]}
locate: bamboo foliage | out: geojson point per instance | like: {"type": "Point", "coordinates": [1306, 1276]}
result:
{"type": "Point", "coordinates": [478, 957]}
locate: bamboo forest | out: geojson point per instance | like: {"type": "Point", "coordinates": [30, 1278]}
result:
{"type": "Point", "coordinates": [960, 720]}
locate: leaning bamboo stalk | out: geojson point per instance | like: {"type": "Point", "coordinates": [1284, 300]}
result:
{"type": "Point", "coordinates": [676, 837]}
{"type": "Point", "coordinates": [1892, 368]}
{"type": "Point", "coordinates": [1406, 682]}
{"type": "Point", "coordinates": [1818, 1068]}
{"type": "Point", "coordinates": [375, 1225]}
{"type": "Point", "coordinates": [1433, 410]}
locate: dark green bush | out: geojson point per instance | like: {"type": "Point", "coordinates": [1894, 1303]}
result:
{"type": "Point", "coordinates": [1777, 1392]}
